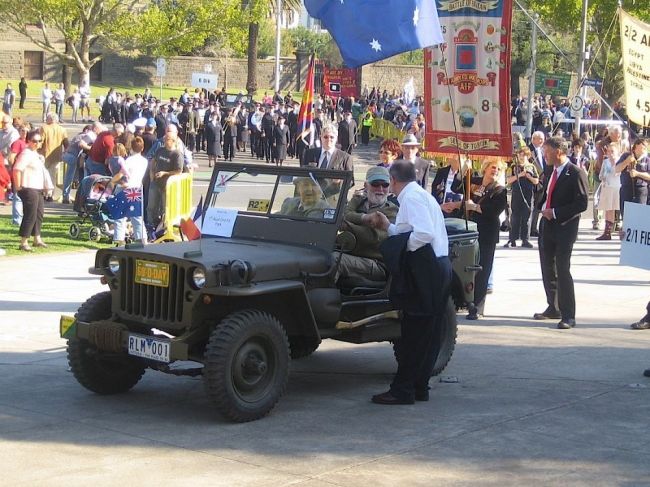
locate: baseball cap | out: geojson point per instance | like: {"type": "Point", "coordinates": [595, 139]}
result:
{"type": "Point", "coordinates": [377, 173]}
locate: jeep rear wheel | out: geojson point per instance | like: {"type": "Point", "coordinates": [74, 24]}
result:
{"type": "Point", "coordinates": [246, 365]}
{"type": "Point", "coordinates": [448, 340]}
{"type": "Point", "coordinates": [98, 371]}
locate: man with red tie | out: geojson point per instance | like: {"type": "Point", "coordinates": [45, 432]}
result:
{"type": "Point", "coordinates": [565, 198]}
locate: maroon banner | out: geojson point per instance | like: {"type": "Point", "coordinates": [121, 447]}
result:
{"type": "Point", "coordinates": [341, 82]}
{"type": "Point", "coordinates": [467, 79]}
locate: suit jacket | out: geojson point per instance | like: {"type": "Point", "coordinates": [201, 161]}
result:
{"type": "Point", "coordinates": [543, 169]}
{"type": "Point", "coordinates": [570, 196]}
{"type": "Point", "coordinates": [421, 171]}
{"type": "Point", "coordinates": [419, 281]}
{"type": "Point", "coordinates": [340, 160]}
{"type": "Point", "coordinates": [347, 133]}
{"type": "Point", "coordinates": [440, 183]}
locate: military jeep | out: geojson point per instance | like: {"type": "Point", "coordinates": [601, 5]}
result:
{"type": "Point", "coordinates": [256, 290]}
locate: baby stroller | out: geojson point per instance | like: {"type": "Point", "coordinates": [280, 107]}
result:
{"type": "Point", "coordinates": [90, 205]}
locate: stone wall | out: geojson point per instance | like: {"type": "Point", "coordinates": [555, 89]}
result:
{"type": "Point", "coordinates": [392, 76]}
{"type": "Point", "coordinates": [141, 71]}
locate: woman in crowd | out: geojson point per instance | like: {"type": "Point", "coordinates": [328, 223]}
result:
{"type": "Point", "coordinates": [31, 182]}
{"type": "Point", "coordinates": [213, 136]}
{"type": "Point", "coordinates": [634, 168]}
{"type": "Point", "coordinates": [488, 201]}
{"type": "Point", "coordinates": [280, 141]}
{"type": "Point", "coordinates": [610, 185]}
{"type": "Point", "coordinates": [579, 154]}
{"type": "Point", "coordinates": [130, 175]}
{"type": "Point", "coordinates": [447, 187]}
{"type": "Point", "coordinates": [389, 150]}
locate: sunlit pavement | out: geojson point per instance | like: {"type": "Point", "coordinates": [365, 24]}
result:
{"type": "Point", "coordinates": [522, 403]}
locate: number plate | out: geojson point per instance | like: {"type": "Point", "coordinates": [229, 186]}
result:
{"type": "Point", "coordinates": [149, 347]}
{"type": "Point", "coordinates": [151, 273]}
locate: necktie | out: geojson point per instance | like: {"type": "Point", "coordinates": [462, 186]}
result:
{"type": "Point", "coordinates": [551, 187]}
{"type": "Point", "coordinates": [323, 165]}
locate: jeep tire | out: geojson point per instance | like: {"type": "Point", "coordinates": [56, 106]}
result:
{"type": "Point", "coordinates": [246, 365]}
{"type": "Point", "coordinates": [101, 372]}
{"type": "Point", "coordinates": [449, 334]}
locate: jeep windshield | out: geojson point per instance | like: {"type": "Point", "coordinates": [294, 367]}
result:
{"type": "Point", "coordinates": [266, 200]}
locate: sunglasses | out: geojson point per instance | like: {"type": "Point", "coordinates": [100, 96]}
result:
{"type": "Point", "coordinates": [377, 184]}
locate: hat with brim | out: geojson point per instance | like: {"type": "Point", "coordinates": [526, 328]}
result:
{"type": "Point", "coordinates": [140, 122]}
{"type": "Point", "coordinates": [410, 140]}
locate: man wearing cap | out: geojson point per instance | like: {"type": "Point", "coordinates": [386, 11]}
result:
{"type": "Point", "coordinates": [410, 148]}
{"type": "Point", "coordinates": [365, 259]}
{"type": "Point", "coordinates": [347, 136]}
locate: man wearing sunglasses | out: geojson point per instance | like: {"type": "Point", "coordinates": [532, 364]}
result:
{"type": "Point", "coordinates": [365, 259]}
{"type": "Point", "coordinates": [327, 156]}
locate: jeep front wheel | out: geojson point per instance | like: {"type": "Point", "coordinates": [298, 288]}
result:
{"type": "Point", "coordinates": [246, 365]}
{"type": "Point", "coordinates": [98, 371]}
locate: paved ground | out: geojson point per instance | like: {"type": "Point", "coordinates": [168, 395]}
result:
{"type": "Point", "coordinates": [525, 403]}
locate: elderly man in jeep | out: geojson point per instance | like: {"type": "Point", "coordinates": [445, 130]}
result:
{"type": "Point", "coordinates": [365, 260]}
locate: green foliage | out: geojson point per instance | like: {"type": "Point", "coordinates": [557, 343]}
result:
{"type": "Point", "coordinates": [564, 18]}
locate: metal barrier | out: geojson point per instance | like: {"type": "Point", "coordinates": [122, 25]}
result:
{"type": "Point", "coordinates": [386, 130]}
{"type": "Point", "coordinates": [178, 204]}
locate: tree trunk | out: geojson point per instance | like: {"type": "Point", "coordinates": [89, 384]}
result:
{"type": "Point", "coordinates": [253, 33]}
{"type": "Point", "coordinates": [67, 72]}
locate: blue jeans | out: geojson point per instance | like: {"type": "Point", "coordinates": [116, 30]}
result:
{"type": "Point", "coordinates": [16, 210]}
{"type": "Point", "coordinates": [70, 170]}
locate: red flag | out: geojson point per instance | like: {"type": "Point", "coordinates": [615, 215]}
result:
{"type": "Point", "coordinates": [306, 114]}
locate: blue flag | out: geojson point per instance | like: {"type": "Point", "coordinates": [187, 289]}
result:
{"type": "Point", "coordinates": [371, 30]}
{"type": "Point", "coordinates": [127, 202]}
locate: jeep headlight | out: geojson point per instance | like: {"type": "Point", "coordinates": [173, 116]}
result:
{"type": "Point", "coordinates": [114, 264]}
{"type": "Point", "coordinates": [198, 278]}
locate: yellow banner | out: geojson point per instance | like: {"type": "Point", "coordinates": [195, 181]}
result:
{"type": "Point", "coordinates": [635, 46]}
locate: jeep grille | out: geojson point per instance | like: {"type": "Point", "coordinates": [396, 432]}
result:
{"type": "Point", "coordinates": [152, 302]}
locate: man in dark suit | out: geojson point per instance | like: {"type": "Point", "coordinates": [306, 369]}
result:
{"type": "Point", "coordinates": [564, 198]}
{"type": "Point", "coordinates": [536, 147]}
{"type": "Point", "coordinates": [347, 136]}
{"type": "Point", "coordinates": [410, 148]}
{"type": "Point", "coordinates": [327, 156]}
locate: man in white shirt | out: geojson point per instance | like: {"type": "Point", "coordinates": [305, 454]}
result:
{"type": "Point", "coordinates": [416, 254]}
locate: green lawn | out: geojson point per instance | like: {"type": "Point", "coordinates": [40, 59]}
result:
{"type": "Point", "coordinates": [32, 110]}
{"type": "Point", "coordinates": [54, 233]}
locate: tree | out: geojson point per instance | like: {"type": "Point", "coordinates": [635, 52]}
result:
{"type": "Point", "coordinates": [603, 35]}
{"type": "Point", "coordinates": [257, 10]}
{"type": "Point", "coordinates": [81, 32]}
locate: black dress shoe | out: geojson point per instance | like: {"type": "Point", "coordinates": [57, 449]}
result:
{"type": "Point", "coordinates": [566, 324]}
{"type": "Point", "coordinates": [646, 372]}
{"type": "Point", "coordinates": [640, 325]}
{"type": "Point", "coordinates": [389, 399]}
{"type": "Point", "coordinates": [422, 395]}
{"type": "Point", "coordinates": [526, 244]}
{"type": "Point", "coordinates": [547, 315]}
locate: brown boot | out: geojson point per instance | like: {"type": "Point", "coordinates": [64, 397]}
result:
{"type": "Point", "coordinates": [607, 233]}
